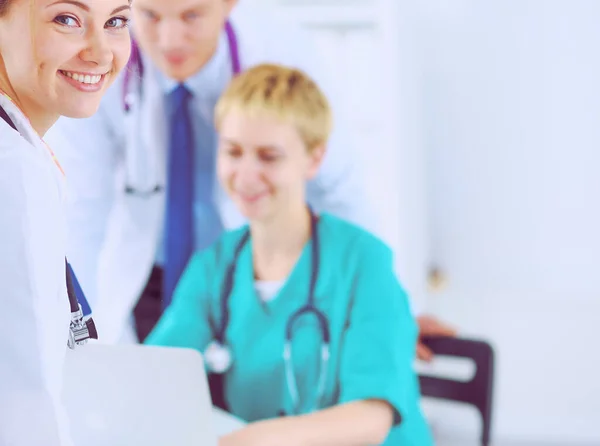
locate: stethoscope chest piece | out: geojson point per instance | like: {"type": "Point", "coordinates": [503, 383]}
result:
{"type": "Point", "coordinates": [218, 357]}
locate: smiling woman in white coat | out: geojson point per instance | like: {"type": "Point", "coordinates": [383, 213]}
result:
{"type": "Point", "coordinates": [56, 58]}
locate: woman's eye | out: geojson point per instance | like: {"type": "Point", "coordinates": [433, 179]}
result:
{"type": "Point", "coordinates": [118, 22]}
{"type": "Point", "coordinates": [66, 20]}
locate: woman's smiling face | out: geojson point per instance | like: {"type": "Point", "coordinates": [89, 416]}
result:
{"type": "Point", "coordinates": [58, 57]}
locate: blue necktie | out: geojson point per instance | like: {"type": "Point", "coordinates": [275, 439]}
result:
{"type": "Point", "coordinates": [179, 222]}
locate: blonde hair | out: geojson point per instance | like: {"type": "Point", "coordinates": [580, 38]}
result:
{"type": "Point", "coordinates": [282, 92]}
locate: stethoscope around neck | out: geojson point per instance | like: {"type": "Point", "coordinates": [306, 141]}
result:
{"type": "Point", "coordinates": [134, 71]}
{"type": "Point", "coordinates": [218, 355]}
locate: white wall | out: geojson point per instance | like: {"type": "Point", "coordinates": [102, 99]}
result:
{"type": "Point", "coordinates": [480, 122]}
{"type": "Point", "coordinates": [512, 111]}
{"type": "Point", "coordinates": [371, 49]}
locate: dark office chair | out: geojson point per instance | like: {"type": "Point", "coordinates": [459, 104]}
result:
{"type": "Point", "coordinates": [478, 391]}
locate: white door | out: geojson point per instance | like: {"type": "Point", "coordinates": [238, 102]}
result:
{"type": "Point", "coordinates": [512, 96]}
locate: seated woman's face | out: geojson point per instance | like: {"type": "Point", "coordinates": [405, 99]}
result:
{"type": "Point", "coordinates": [60, 56]}
{"type": "Point", "coordinates": [263, 164]}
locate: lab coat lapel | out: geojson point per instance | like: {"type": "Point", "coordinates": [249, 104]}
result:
{"type": "Point", "coordinates": [30, 140]}
{"type": "Point", "coordinates": [146, 136]}
{"type": "Point", "coordinates": [29, 134]}
{"type": "Point", "coordinates": [154, 124]}
{"type": "Point", "coordinates": [136, 218]}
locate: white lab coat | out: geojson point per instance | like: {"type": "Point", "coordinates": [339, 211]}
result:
{"type": "Point", "coordinates": [114, 236]}
{"type": "Point", "coordinates": [34, 308]}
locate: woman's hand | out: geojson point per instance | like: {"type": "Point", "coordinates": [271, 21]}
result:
{"type": "Point", "coordinates": [357, 423]}
{"type": "Point", "coordinates": [275, 432]}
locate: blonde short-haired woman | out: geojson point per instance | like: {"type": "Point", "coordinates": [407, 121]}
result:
{"type": "Point", "coordinates": [297, 314]}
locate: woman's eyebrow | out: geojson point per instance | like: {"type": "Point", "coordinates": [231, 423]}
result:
{"type": "Point", "coordinates": [72, 2]}
{"type": "Point", "coordinates": [121, 8]}
{"type": "Point", "coordinates": [87, 8]}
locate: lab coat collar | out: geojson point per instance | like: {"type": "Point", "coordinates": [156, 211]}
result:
{"type": "Point", "coordinates": [20, 120]}
{"type": "Point", "coordinates": [28, 133]}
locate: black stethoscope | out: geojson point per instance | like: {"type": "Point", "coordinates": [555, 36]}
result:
{"type": "Point", "coordinates": [135, 69]}
{"type": "Point", "coordinates": [218, 355]}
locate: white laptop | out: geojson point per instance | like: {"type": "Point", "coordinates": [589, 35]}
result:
{"type": "Point", "coordinates": [134, 395]}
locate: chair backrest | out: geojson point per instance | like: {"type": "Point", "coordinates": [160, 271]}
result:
{"type": "Point", "coordinates": [478, 391]}
{"type": "Point", "coordinates": [138, 395]}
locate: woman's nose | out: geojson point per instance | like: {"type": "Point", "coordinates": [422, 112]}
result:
{"type": "Point", "coordinates": [98, 50]}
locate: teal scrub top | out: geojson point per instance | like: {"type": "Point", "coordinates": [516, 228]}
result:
{"type": "Point", "coordinates": [373, 334]}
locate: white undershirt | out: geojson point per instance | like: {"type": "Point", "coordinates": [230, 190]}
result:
{"type": "Point", "coordinates": [268, 289]}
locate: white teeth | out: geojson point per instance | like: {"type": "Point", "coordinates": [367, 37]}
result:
{"type": "Point", "coordinates": [83, 78]}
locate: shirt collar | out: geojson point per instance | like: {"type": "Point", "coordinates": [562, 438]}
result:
{"type": "Point", "coordinates": [210, 81]}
